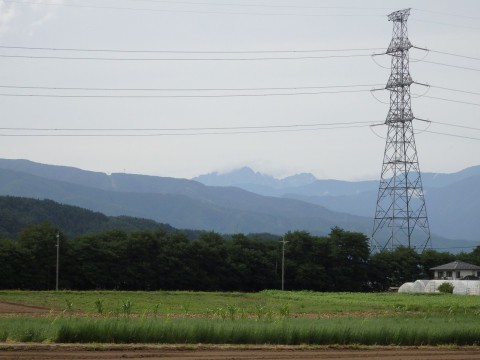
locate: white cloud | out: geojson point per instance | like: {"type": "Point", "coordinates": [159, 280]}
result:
{"type": "Point", "coordinates": [26, 18]}
{"type": "Point", "coordinates": [7, 13]}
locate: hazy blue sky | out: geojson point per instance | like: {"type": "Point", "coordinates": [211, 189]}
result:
{"type": "Point", "coordinates": [213, 26]}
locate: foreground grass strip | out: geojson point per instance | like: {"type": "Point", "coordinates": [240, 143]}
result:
{"type": "Point", "coordinates": [405, 331]}
{"type": "Point", "coordinates": [386, 331]}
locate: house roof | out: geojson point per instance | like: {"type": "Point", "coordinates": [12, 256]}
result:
{"type": "Point", "coordinates": [457, 265]}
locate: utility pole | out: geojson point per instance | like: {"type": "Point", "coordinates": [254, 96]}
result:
{"type": "Point", "coordinates": [58, 258]}
{"type": "Point", "coordinates": [401, 214]}
{"type": "Point", "coordinates": [283, 262]}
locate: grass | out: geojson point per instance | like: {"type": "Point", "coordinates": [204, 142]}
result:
{"type": "Point", "coordinates": [409, 330]}
{"type": "Point", "coordinates": [192, 303]}
{"type": "Point", "coordinates": [267, 317]}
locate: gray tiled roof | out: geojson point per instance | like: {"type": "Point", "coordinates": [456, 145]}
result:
{"type": "Point", "coordinates": [456, 265]}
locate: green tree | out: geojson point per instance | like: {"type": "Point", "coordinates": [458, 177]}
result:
{"type": "Point", "coordinates": [14, 266]}
{"type": "Point", "coordinates": [472, 257]}
{"type": "Point", "coordinates": [307, 262]}
{"type": "Point", "coordinates": [350, 255]}
{"type": "Point", "coordinates": [96, 261]}
{"type": "Point", "coordinates": [431, 258]}
{"type": "Point", "coordinates": [254, 264]}
{"type": "Point", "coordinates": [393, 268]}
{"type": "Point", "coordinates": [39, 245]}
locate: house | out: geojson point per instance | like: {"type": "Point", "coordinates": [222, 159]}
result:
{"type": "Point", "coordinates": [456, 270]}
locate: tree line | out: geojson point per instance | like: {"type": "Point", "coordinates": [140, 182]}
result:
{"type": "Point", "coordinates": [157, 260]}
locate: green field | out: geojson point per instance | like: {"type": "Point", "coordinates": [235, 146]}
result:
{"type": "Point", "coordinates": [267, 317]}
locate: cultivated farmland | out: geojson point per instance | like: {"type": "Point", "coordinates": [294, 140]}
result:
{"type": "Point", "coordinates": [272, 318]}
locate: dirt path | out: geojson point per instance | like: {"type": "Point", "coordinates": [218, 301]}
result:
{"type": "Point", "coordinates": [77, 352]}
{"type": "Point", "coordinates": [13, 308]}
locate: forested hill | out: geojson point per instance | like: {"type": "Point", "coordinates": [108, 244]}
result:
{"type": "Point", "coordinates": [16, 213]}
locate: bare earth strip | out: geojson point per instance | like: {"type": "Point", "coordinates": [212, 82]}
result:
{"type": "Point", "coordinates": [76, 352]}
{"type": "Point", "coordinates": [13, 308]}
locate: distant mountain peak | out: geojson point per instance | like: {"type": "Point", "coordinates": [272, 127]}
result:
{"type": "Point", "coordinates": [247, 176]}
{"type": "Point", "coordinates": [299, 179]}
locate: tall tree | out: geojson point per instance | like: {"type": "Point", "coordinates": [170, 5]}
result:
{"type": "Point", "coordinates": [350, 255]}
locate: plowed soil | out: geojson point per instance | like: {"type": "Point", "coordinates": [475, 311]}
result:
{"type": "Point", "coordinates": [12, 308]}
{"type": "Point", "coordinates": [42, 352]}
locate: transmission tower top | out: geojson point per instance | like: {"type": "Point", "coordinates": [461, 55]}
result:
{"type": "Point", "coordinates": [399, 15]}
{"type": "Point", "coordinates": [400, 42]}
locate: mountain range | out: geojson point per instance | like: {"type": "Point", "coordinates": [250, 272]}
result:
{"type": "Point", "coordinates": [247, 203]}
{"type": "Point", "coordinates": [453, 200]}
{"type": "Point", "coordinates": [18, 213]}
{"type": "Point", "coordinates": [184, 204]}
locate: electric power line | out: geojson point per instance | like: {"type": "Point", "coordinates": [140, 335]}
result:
{"type": "Point", "coordinates": [456, 125]}
{"type": "Point", "coordinates": [216, 12]}
{"type": "Point", "coordinates": [145, 96]}
{"type": "Point", "coordinates": [446, 24]}
{"type": "Point", "coordinates": [276, 6]}
{"type": "Point", "coordinates": [451, 100]}
{"type": "Point", "coordinates": [447, 14]}
{"type": "Point", "coordinates": [121, 96]}
{"type": "Point", "coordinates": [292, 51]}
{"type": "Point", "coordinates": [198, 131]}
{"type": "Point", "coordinates": [260, 127]}
{"type": "Point", "coordinates": [455, 90]}
{"type": "Point", "coordinates": [449, 65]}
{"type": "Point", "coordinates": [189, 128]}
{"type": "Point", "coordinates": [184, 51]}
{"type": "Point", "coordinates": [453, 54]}
{"type": "Point", "coordinates": [180, 59]}
{"type": "Point", "coordinates": [183, 89]}
{"type": "Point", "coordinates": [205, 131]}
{"type": "Point", "coordinates": [452, 135]}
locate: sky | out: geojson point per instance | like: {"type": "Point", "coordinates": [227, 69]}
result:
{"type": "Point", "coordinates": [188, 87]}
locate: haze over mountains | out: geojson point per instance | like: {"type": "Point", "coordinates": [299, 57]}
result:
{"type": "Point", "coordinates": [453, 200]}
{"type": "Point", "coordinates": [182, 203]}
{"type": "Point", "coordinates": [245, 201]}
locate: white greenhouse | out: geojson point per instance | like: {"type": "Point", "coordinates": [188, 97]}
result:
{"type": "Point", "coordinates": [463, 277]}
{"type": "Point", "coordinates": [460, 287]}
{"type": "Point", "coordinates": [406, 288]}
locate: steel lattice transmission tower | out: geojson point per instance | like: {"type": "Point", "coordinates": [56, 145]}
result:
{"type": "Point", "coordinates": [401, 215]}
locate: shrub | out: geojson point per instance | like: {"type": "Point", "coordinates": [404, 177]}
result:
{"type": "Point", "coordinates": [446, 288]}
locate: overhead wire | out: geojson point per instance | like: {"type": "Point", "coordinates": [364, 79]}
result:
{"type": "Point", "coordinates": [188, 128]}
{"type": "Point", "coordinates": [206, 59]}
{"type": "Point", "coordinates": [435, 132]}
{"type": "Point", "coordinates": [181, 96]}
{"type": "Point", "coordinates": [454, 54]}
{"type": "Point", "coordinates": [159, 51]}
{"type": "Point", "coordinates": [451, 100]}
{"type": "Point", "coordinates": [456, 125]}
{"type": "Point", "coordinates": [446, 24]}
{"type": "Point", "coordinates": [180, 59]}
{"type": "Point", "coordinates": [449, 65]}
{"type": "Point", "coordinates": [424, 95]}
{"type": "Point", "coordinates": [197, 131]}
{"type": "Point", "coordinates": [188, 11]}
{"type": "Point", "coordinates": [241, 130]}
{"type": "Point", "coordinates": [447, 14]}
{"type": "Point", "coordinates": [257, 5]}
{"type": "Point", "coordinates": [184, 51]}
{"type": "Point", "coordinates": [184, 89]}
{"type": "Point", "coordinates": [455, 90]}
{"type": "Point", "coordinates": [452, 135]}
